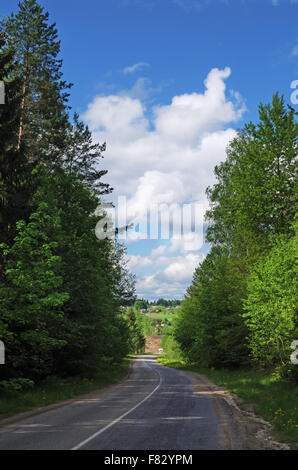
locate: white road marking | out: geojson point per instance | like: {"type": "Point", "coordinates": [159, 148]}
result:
{"type": "Point", "coordinates": [81, 444]}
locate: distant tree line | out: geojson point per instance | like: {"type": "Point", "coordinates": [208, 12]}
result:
{"type": "Point", "coordinates": [144, 304]}
{"type": "Point", "coordinates": [241, 308]}
{"type": "Point", "coordinates": [166, 302]}
{"type": "Point", "coordinates": [61, 289]}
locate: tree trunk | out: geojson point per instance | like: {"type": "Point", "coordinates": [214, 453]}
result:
{"type": "Point", "coordinates": [25, 84]}
{"type": "Point", "coordinates": [21, 126]}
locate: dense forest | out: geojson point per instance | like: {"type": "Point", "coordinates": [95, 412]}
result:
{"type": "Point", "coordinates": [241, 308]}
{"type": "Point", "coordinates": [61, 289]}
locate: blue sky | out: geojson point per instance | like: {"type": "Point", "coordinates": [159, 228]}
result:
{"type": "Point", "coordinates": [166, 83]}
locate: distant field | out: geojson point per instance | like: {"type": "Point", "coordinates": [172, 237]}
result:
{"type": "Point", "coordinates": [162, 313]}
{"type": "Point", "coordinates": [157, 320]}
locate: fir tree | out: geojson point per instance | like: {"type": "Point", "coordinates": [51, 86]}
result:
{"type": "Point", "coordinates": [44, 123]}
{"type": "Point", "coordinates": [15, 170]}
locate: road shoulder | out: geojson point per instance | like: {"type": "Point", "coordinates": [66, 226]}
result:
{"type": "Point", "coordinates": [239, 427]}
{"type": "Point", "coordinates": [42, 409]}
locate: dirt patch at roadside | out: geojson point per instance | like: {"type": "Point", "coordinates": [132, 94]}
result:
{"type": "Point", "coordinates": [153, 344]}
{"type": "Point", "coordinates": [239, 427]}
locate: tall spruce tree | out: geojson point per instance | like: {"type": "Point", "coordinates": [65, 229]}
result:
{"type": "Point", "coordinates": [42, 117]}
{"type": "Point", "coordinates": [44, 124]}
{"type": "Point", "coordinates": [15, 170]}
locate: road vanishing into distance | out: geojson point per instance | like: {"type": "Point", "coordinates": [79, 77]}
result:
{"type": "Point", "coordinates": [153, 408]}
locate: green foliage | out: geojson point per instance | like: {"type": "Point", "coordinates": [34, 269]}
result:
{"type": "Point", "coordinates": [167, 302]}
{"type": "Point", "coordinates": [209, 329]}
{"type": "Point", "coordinates": [15, 185]}
{"type": "Point", "coordinates": [94, 275]}
{"type": "Point", "coordinates": [170, 347]}
{"type": "Point", "coordinates": [55, 389]}
{"type": "Point", "coordinates": [243, 296]}
{"type": "Point", "coordinates": [271, 305]}
{"type": "Point", "coordinates": [43, 116]}
{"type": "Point", "coordinates": [66, 331]}
{"type": "Point", "coordinates": [61, 289]}
{"type": "Point", "coordinates": [147, 325]}
{"type": "Point", "coordinates": [32, 298]}
{"type": "Point", "coordinates": [137, 338]}
{"type": "Point", "coordinates": [43, 122]}
{"type": "Point", "coordinates": [16, 385]}
{"type": "Point", "coordinates": [255, 193]}
{"type": "Point", "coordinates": [140, 305]}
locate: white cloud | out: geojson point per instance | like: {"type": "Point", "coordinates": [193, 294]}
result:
{"type": "Point", "coordinates": [156, 187]}
{"type": "Point", "coordinates": [174, 159]}
{"type": "Point", "coordinates": [155, 258]}
{"type": "Point", "coordinates": [182, 267]}
{"type": "Point", "coordinates": [120, 118]}
{"type": "Point", "coordinates": [171, 274]}
{"type": "Point", "coordinates": [133, 68]}
{"type": "Point", "coordinates": [137, 261]}
{"type": "Point", "coordinates": [166, 159]}
{"type": "Point", "coordinates": [151, 287]}
{"type": "Point", "coordinates": [141, 89]}
{"type": "Point", "coordinates": [190, 117]}
{"type": "Point", "coordinates": [171, 281]}
{"type": "Point", "coordinates": [158, 251]}
{"type": "Point", "coordinates": [192, 241]}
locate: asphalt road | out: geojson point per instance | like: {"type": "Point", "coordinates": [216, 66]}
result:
{"type": "Point", "coordinates": [155, 408]}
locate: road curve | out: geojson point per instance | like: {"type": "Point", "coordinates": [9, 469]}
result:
{"type": "Point", "coordinates": [155, 408]}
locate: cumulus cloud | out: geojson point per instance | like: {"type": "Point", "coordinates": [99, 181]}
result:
{"type": "Point", "coordinates": [177, 149]}
{"type": "Point", "coordinates": [119, 117]}
{"type": "Point", "coordinates": [171, 281]}
{"type": "Point", "coordinates": [158, 251]}
{"type": "Point", "coordinates": [137, 261]}
{"type": "Point", "coordinates": [133, 68]}
{"type": "Point", "coordinates": [182, 267]}
{"type": "Point", "coordinates": [191, 117]}
{"type": "Point", "coordinates": [191, 241]}
{"type": "Point", "coordinates": [165, 156]}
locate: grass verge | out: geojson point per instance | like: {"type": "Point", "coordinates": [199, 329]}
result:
{"type": "Point", "coordinates": [272, 397]}
{"type": "Point", "coordinates": [54, 390]}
